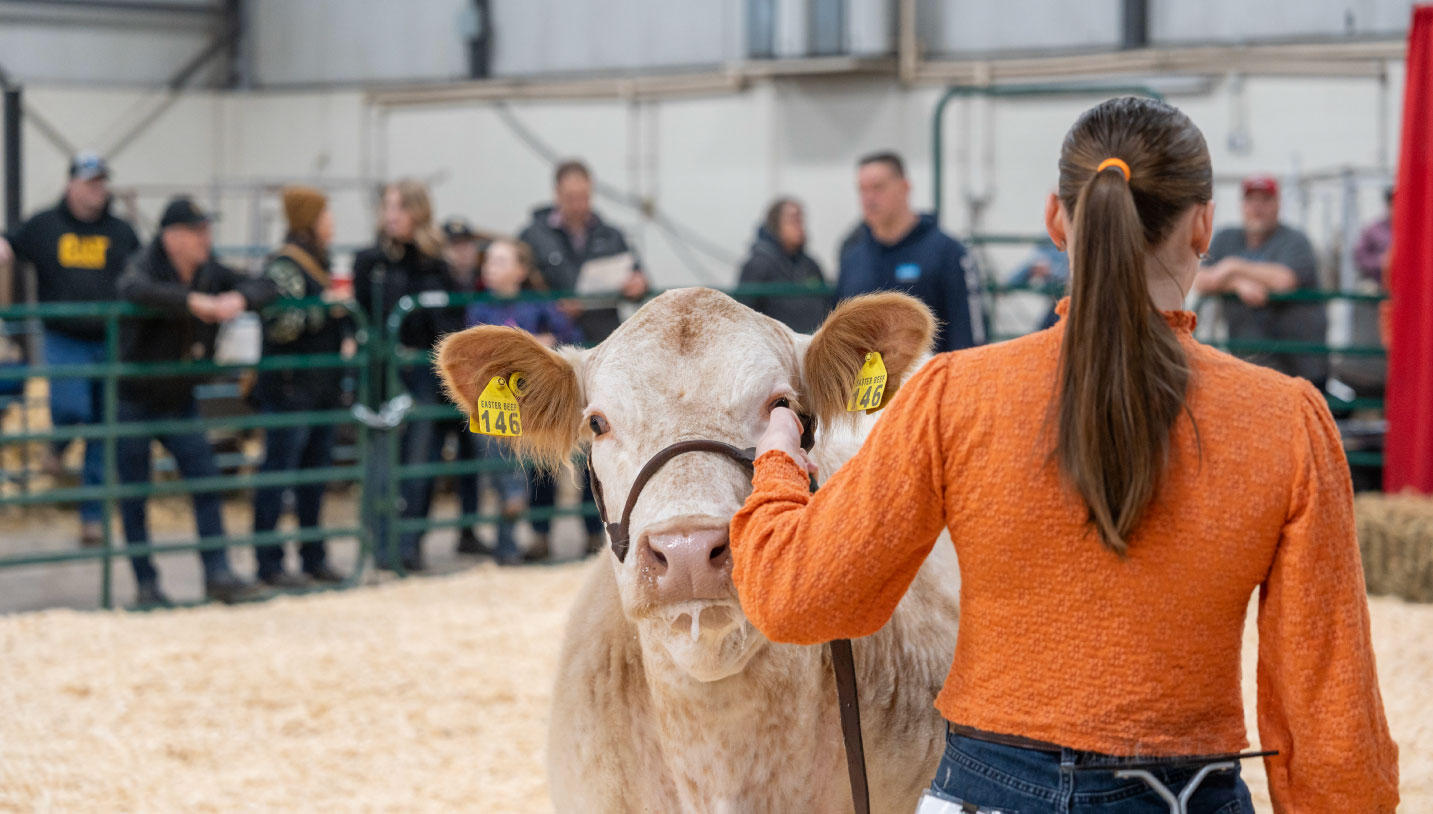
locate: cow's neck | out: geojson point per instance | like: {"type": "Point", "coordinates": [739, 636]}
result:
{"type": "Point", "coordinates": [782, 704]}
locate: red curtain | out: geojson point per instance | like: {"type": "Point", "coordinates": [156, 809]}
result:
{"type": "Point", "coordinates": [1408, 453]}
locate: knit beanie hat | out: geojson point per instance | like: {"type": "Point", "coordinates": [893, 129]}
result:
{"type": "Point", "coordinates": [302, 206]}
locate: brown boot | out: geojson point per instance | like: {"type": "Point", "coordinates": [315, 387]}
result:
{"type": "Point", "coordinates": [539, 550]}
{"type": "Point", "coordinates": [91, 534]}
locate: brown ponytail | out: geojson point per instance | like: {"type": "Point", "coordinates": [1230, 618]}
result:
{"type": "Point", "coordinates": [1123, 373]}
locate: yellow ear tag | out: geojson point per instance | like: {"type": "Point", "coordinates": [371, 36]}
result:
{"type": "Point", "coordinates": [869, 392]}
{"type": "Point", "coordinates": [497, 407]}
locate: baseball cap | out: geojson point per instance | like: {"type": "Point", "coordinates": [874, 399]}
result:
{"type": "Point", "coordinates": [458, 229]}
{"type": "Point", "coordinates": [88, 165]}
{"type": "Point", "coordinates": [1261, 183]}
{"type": "Point", "coordinates": [183, 212]}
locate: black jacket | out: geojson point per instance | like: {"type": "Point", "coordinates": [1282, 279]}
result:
{"type": "Point", "coordinates": [380, 281]}
{"type": "Point", "coordinates": [559, 261]}
{"type": "Point", "coordinates": [308, 331]}
{"type": "Point", "coordinates": [176, 335]}
{"type": "Point", "coordinates": [769, 264]}
{"type": "Point", "coordinates": [75, 261]}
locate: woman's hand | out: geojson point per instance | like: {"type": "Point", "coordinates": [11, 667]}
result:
{"type": "Point", "coordinates": [784, 433]}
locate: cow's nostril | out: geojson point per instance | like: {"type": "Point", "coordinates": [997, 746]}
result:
{"type": "Point", "coordinates": [719, 551]}
{"type": "Point", "coordinates": [660, 557]}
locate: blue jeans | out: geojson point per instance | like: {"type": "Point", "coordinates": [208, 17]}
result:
{"type": "Point", "coordinates": [421, 444]}
{"type": "Point", "coordinates": [1026, 781]}
{"type": "Point", "coordinates": [195, 459]}
{"type": "Point", "coordinates": [290, 449]}
{"type": "Point", "coordinates": [78, 401]}
{"type": "Point", "coordinates": [510, 484]}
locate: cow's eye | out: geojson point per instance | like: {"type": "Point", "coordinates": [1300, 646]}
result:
{"type": "Point", "coordinates": [598, 425]}
{"type": "Point", "coordinates": [781, 402]}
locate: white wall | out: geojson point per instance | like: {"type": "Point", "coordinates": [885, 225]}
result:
{"type": "Point", "coordinates": [709, 163]}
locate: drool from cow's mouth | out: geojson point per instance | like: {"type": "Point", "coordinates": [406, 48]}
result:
{"type": "Point", "coordinates": [691, 616]}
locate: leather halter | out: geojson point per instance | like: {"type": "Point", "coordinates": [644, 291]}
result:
{"type": "Point", "coordinates": [620, 532]}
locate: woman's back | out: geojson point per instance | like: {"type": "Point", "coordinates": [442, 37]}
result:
{"type": "Point", "coordinates": [1167, 618]}
{"type": "Point", "coordinates": [1116, 492]}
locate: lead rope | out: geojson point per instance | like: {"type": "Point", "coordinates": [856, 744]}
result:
{"type": "Point", "coordinates": [848, 700]}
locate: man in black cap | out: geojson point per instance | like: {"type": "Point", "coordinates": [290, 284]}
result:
{"type": "Point", "coordinates": [78, 248]}
{"type": "Point", "coordinates": [177, 276]}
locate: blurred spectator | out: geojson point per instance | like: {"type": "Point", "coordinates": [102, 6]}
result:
{"type": "Point", "coordinates": [567, 236]}
{"type": "Point", "coordinates": [1371, 253]}
{"type": "Point", "coordinates": [1047, 268]}
{"type": "Point", "coordinates": [779, 256]}
{"type": "Point", "coordinates": [79, 249]}
{"type": "Point", "coordinates": [899, 250]}
{"type": "Point", "coordinates": [1260, 258]}
{"type": "Point", "coordinates": [407, 261]}
{"type": "Point", "coordinates": [462, 250]}
{"type": "Point", "coordinates": [178, 276]}
{"type": "Point", "coordinates": [299, 270]}
{"type": "Point", "coordinates": [508, 266]}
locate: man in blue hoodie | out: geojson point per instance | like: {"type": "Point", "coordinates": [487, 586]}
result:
{"type": "Point", "coordinates": [896, 249]}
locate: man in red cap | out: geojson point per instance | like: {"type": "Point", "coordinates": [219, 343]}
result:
{"type": "Point", "coordinates": [1260, 258]}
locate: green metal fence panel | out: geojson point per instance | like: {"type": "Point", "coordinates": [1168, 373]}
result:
{"type": "Point", "coordinates": [109, 430]}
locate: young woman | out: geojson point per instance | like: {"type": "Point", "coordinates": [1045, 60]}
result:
{"type": "Point", "coordinates": [508, 268]}
{"type": "Point", "coordinates": [1116, 492]}
{"type": "Point", "coordinates": [406, 261]}
{"type": "Point", "coordinates": [298, 270]}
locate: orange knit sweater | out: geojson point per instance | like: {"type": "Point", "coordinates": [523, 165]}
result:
{"type": "Point", "coordinates": [1061, 640]}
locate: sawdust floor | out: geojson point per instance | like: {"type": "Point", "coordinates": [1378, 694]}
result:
{"type": "Point", "coordinates": [424, 695]}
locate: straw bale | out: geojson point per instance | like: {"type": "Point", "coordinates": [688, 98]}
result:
{"type": "Point", "coordinates": [1395, 533]}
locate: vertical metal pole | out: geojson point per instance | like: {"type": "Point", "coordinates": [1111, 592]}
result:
{"type": "Point", "coordinates": [13, 186]}
{"type": "Point", "coordinates": [111, 460]}
{"type": "Point", "coordinates": [1135, 24]}
{"type": "Point", "coordinates": [13, 189]}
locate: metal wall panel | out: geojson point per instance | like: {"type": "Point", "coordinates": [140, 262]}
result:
{"type": "Point", "coordinates": [536, 37]}
{"type": "Point", "coordinates": [301, 42]}
{"type": "Point", "coordinates": [1179, 21]}
{"type": "Point", "coordinates": [960, 28]}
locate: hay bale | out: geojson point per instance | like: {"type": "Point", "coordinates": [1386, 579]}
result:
{"type": "Point", "coordinates": [1395, 534]}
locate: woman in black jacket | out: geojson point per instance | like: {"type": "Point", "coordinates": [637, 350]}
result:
{"type": "Point", "coordinates": [779, 256]}
{"type": "Point", "coordinates": [299, 270]}
{"type": "Point", "coordinates": [407, 261]}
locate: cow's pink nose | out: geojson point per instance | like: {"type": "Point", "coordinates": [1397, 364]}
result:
{"type": "Point", "coordinates": [688, 564]}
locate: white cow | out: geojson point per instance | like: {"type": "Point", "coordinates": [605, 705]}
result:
{"type": "Point", "coordinates": [667, 699]}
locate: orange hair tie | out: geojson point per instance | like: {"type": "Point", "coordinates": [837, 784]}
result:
{"type": "Point", "coordinates": [1114, 162]}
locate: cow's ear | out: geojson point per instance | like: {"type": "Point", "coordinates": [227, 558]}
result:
{"type": "Point", "coordinates": [898, 326]}
{"type": "Point", "coordinates": [551, 402]}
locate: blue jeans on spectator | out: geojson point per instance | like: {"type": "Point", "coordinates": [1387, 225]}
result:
{"type": "Point", "coordinates": [78, 401]}
{"type": "Point", "coordinates": [420, 445]}
{"type": "Point", "coordinates": [542, 493]}
{"type": "Point", "coordinates": [195, 459]}
{"type": "Point", "coordinates": [290, 449]}
{"type": "Point", "coordinates": [1011, 779]}
{"type": "Point", "coordinates": [510, 483]}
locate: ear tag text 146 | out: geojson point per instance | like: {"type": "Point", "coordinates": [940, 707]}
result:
{"type": "Point", "coordinates": [497, 412]}
{"type": "Point", "coordinates": [869, 391]}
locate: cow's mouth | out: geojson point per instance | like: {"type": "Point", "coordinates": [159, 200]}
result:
{"type": "Point", "coordinates": [690, 618]}
{"type": "Point", "coordinates": [708, 639]}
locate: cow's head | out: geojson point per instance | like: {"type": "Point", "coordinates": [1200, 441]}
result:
{"type": "Point", "coordinates": [692, 363]}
